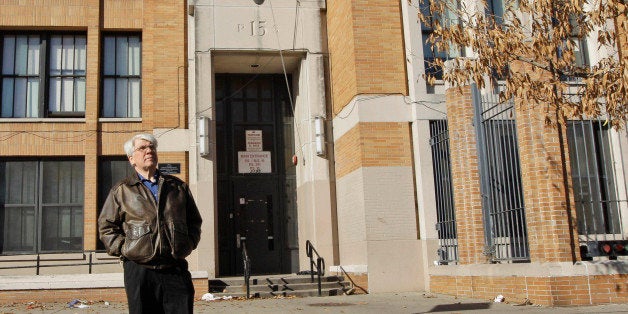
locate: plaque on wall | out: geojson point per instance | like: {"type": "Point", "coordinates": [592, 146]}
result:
{"type": "Point", "coordinates": [170, 168]}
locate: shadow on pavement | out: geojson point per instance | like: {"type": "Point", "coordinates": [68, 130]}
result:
{"type": "Point", "coordinates": [459, 307]}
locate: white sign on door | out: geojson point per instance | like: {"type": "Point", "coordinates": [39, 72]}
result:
{"type": "Point", "coordinates": [254, 141]}
{"type": "Point", "coordinates": [254, 162]}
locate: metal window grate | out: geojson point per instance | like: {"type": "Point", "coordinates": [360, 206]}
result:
{"type": "Point", "coordinates": [446, 217]}
{"type": "Point", "coordinates": [500, 175]}
{"type": "Point", "coordinates": [598, 176]}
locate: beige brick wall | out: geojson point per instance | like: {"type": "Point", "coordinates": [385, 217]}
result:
{"type": "Point", "coordinates": [164, 105]}
{"type": "Point", "coordinates": [365, 41]}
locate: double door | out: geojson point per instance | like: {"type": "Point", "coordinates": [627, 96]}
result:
{"type": "Point", "coordinates": [251, 173]}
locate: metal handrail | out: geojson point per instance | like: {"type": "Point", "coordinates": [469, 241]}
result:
{"type": "Point", "coordinates": [38, 261]}
{"type": "Point", "coordinates": [246, 264]}
{"type": "Point", "coordinates": [320, 264]}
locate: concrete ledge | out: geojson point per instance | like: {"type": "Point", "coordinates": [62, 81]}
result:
{"type": "Point", "coordinates": [353, 269]}
{"type": "Point", "coordinates": [82, 281]}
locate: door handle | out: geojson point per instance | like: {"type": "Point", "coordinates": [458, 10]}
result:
{"type": "Point", "coordinates": [239, 240]}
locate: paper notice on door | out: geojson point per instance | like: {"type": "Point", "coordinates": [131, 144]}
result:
{"type": "Point", "coordinates": [254, 141]}
{"type": "Point", "coordinates": [254, 162]}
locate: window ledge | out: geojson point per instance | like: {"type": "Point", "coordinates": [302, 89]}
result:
{"type": "Point", "coordinates": [119, 119]}
{"type": "Point", "coordinates": [31, 120]}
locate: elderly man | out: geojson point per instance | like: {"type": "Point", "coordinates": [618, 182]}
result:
{"type": "Point", "coordinates": [151, 221]}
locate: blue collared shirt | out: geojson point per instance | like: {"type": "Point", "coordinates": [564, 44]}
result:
{"type": "Point", "coordinates": [152, 186]}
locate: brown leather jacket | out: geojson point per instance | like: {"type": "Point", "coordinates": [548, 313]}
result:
{"type": "Point", "coordinates": [132, 225]}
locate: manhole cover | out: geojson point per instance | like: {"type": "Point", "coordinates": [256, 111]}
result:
{"type": "Point", "coordinates": [331, 304]}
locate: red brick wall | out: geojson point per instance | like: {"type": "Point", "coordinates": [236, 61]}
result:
{"type": "Point", "coordinates": [550, 211]}
{"type": "Point", "coordinates": [547, 291]}
{"type": "Point", "coordinates": [465, 176]}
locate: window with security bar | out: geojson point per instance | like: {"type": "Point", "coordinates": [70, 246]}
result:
{"type": "Point", "coordinates": [445, 212]}
{"type": "Point", "coordinates": [41, 206]}
{"type": "Point", "coordinates": [599, 187]}
{"type": "Point", "coordinates": [503, 205]}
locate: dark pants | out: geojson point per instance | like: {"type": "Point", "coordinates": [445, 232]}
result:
{"type": "Point", "coordinates": [158, 290]}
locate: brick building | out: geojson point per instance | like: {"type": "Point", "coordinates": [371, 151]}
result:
{"type": "Point", "coordinates": [299, 121]}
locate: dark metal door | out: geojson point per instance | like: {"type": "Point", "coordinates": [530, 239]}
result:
{"type": "Point", "coordinates": [251, 172]}
{"type": "Point", "coordinates": [256, 222]}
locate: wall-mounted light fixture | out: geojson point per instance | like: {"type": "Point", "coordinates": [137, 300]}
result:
{"type": "Point", "coordinates": [319, 133]}
{"type": "Point", "coordinates": [203, 136]}
{"type": "Point", "coordinates": [258, 2]}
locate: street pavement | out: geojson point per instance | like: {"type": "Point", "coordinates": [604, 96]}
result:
{"type": "Point", "coordinates": [389, 303]}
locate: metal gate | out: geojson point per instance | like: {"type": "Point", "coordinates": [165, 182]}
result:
{"type": "Point", "coordinates": [445, 214]}
{"type": "Point", "coordinates": [500, 179]}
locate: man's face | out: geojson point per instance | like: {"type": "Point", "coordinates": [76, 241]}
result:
{"type": "Point", "coordinates": [144, 155]}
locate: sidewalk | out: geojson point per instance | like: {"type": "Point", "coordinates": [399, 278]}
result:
{"type": "Point", "coordinates": [407, 302]}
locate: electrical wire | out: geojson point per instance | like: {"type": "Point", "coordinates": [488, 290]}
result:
{"type": "Point", "coordinates": [285, 74]}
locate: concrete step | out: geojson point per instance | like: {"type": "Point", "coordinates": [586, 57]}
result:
{"type": "Point", "coordinates": [278, 285]}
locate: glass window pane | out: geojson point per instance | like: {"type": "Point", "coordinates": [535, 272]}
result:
{"type": "Point", "coordinates": [68, 95]}
{"type": "Point", "coordinates": [267, 111]}
{"type": "Point", "coordinates": [32, 104]}
{"type": "Point", "coordinates": [51, 183]}
{"type": "Point", "coordinates": [134, 55]}
{"type": "Point", "coordinates": [266, 88]}
{"type": "Point", "coordinates": [237, 111]}
{"type": "Point", "coordinates": [110, 172]}
{"type": "Point", "coordinates": [8, 55]}
{"type": "Point", "coordinates": [19, 98]}
{"type": "Point", "coordinates": [109, 52]}
{"type": "Point", "coordinates": [79, 94]}
{"type": "Point", "coordinates": [78, 178]}
{"type": "Point", "coordinates": [21, 55]}
{"type": "Point", "coordinates": [54, 94]}
{"type": "Point", "coordinates": [7, 97]}
{"type": "Point", "coordinates": [109, 91]}
{"type": "Point", "coordinates": [68, 54]}
{"type": "Point", "coordinates": [55, 55]}
{"type": "Point", "coordinates": [62, 230]}
{"type": "Point", "coordinates": [19, 229]}
{"type": "Point", "coordinates": [17, 196]}
{"type": "Point", "coordinates": [134, 98]}
{"type": "Point", "coordinates": [80, 55]}
{"type": "Point", "coordinates": [62, 208]}
{"type": "Point", "coordinates": [252, 111]}
{"type": "Point", "coordinates": [33, 55]}
{"type": "Point", "coordinates": [121, 98]}
{"type": "Point", "coordinates": [18, 180]}
{"type": "Point", "coordinates": [122, 56]}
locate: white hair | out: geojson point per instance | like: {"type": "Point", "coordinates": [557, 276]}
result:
{"type": "Point", "coordinates": [129, 146]}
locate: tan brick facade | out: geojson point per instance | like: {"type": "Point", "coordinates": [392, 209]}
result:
{"type": "Point", "coordinates": [373, 144]}
{"type": "Point", "coordinates": [162, 26]}
{"type": "Point", "coordinates": [366, 48]}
